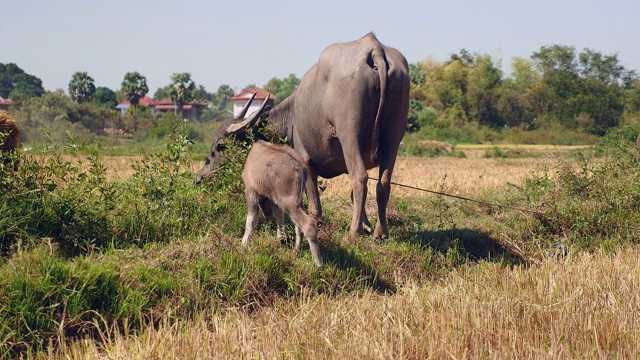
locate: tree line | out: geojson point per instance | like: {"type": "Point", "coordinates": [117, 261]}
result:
{"type": "Point", "coordinates": [587, 91]}
{"type": "Point", "coordinates": [584, 91]}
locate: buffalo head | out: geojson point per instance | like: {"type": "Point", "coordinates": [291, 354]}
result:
{"type": "Point", "coordinates": [236, 127]}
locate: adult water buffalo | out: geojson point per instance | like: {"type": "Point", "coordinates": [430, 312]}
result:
{"type": "Point", "coordinates": [347, 115]}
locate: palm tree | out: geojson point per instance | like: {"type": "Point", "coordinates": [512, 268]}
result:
{"type": "Point", "coordinates": [225, 92]}
{"type": "Point", "coordinates": [81, 87]}
{"type": "Point", "coordinates": [134, 87]}
{"type": "Point", "coordinates": [182, 90]}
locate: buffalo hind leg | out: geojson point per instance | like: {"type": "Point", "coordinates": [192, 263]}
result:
{"type": "Point", "coordinates": [359, 186]}
{"type": "Point", "coordinates": [383, 190]}
{"type": "Point", "coordinates": [252, 217]}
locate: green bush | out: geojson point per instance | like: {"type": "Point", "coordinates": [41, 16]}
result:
{"type": "Point", "coordinates": [591, 198]}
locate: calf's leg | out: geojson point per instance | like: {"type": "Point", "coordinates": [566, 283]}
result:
{"type": "Point", "coordinates": [252, 216]}
{"type": "Point", "coordinates": [307, 224]}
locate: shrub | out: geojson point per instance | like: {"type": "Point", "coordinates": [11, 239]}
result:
{"type": "Point", "coordinates": [595, 195]}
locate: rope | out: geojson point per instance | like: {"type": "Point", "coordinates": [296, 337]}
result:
{"type": "Point", "coordinates": [533, 212]}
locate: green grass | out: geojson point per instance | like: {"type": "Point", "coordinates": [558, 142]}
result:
{"type": "Point", "coordinates": [82, 254]}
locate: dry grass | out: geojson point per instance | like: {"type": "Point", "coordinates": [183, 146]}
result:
{"type": "Point", "coordinates": [585, 307]}
{"type": "Point", "coordinates": [469, 175]}
{"type": "Point", "coordinates": [451, 175]}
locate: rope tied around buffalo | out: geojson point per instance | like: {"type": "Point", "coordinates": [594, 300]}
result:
{"type": "Point", "coordinates": [531, 212]}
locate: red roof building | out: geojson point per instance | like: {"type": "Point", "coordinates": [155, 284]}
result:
{"type": "Point", "coordinates": [191, 111]}
{"type": "Point", "coordinates": [5, 103]}
{"type": "Point", "coordinates": [145, 101]}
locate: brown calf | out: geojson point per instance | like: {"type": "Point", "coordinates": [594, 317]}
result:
{"type": "Point", "coordinates": [275, 177]}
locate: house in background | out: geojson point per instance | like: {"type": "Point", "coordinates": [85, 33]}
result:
{"type": "Point", "coordinates": [144, 101]}
{"type": "Point", "coordinates": [5, 103]}
{"type": "Point", "coordinates": [240, 100]}
{"type": "Point", "coordinates": [191, 110]}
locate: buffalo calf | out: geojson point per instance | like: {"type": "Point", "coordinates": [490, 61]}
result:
{"type": "Point", "coordinates": [275, 177]}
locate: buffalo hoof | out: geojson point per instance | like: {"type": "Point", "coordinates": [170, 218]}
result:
{"type": "Point", "coordinates": [381, 233]}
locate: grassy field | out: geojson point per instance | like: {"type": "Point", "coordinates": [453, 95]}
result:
{"type": "Point", "coordinates": [586, 306]}
{"type": "Point", "coordinates": [456, 279]}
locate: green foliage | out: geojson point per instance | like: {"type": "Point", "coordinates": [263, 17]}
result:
{"type": "Point", "coordinates": [586, 92]}
{"type": "Point", "coordinates": [161, 93]}
{"type": "Point", "coordinates": [81, 253]}
{"type": "Point", "coordinates": [420, 116]}
{"type": "Point", "coordinates": [182, 89]}
{"type": "Point", "coordinates": [56, 114]}
{"type": "Point", "coordinates": [282, 88]}
{"type": "Point", "coordinates": [105, 97]}
{"type": "Point", "coordinates": [598, 193]}
{"type": "Point", "coordinates": [15, 83]}
{"type": "Point", "coordinates": [224, 93]}
{"type": "Point", "coordinates": [81, 87]}
{"type": "Point", "coordinates": [134, 87]}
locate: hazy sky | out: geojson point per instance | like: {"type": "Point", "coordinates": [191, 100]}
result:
{"type": "Point", "coordinates": [249, 42]}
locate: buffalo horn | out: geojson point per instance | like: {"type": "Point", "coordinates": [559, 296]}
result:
{"type": "Point", "coordinates": [250, 121]}
{"type": "Point", "coordinates": [245, 108]}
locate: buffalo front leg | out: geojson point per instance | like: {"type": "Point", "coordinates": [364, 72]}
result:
{"type": "Point", "coordinates": [313, 195]}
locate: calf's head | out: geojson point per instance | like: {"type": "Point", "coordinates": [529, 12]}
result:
{"type": "Point", "coordinates": [234, 127]}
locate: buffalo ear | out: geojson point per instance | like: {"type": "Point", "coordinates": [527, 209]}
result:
{"type": "Point", "coordinates": [251, 120]}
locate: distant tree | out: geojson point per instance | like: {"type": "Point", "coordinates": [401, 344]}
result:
{"type": "Point", "coordinates": [134, 86]}
{"type": "Point", "coordinates": [213, 112]}
{"type": "Point", "coordinates": [181, 90]}
{"type": "Point", "coordinates": [416, 75]}
{"type": "Point", "coordinates": [559, 81]}
{"type": "Point", "coordinates": [224, 93]}
{"type": "Point", "coordinates": [465, 57]}
{"type": "Point", "coordinates": [105, 97]}
{"type": "Point", "coordinates": [282, 88]}
{"type": "Point", "coordinates": [81, 87]}
{"type": "Point", "coordinates": [201, 94]}
{"type": "Point", "coordinates": [515, 102]}
{"type": "Point", "coordinates": [582, 91]}
{"type": "Point", "coordinates": [14, 79]}
{"type": "Point", "coordinates": [484, 79]}
{"type": "Point", "coordinates": [632, 97]}
{"type": "Point", "coordinates": [160, 94]}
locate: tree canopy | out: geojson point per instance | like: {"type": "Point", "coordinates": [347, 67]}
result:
{"type": "Point", "coordinates": [134, 87]}
{"type": "Point", "coordinates": [81, 87]}
{"type": "Point", "coordinates": [105, 97]}
{"type": "Point", "coordinates": [282, 88]}
{"type": "Point", "coordinates": [182, 89]}
{"type": "Point", "coordinates": [15, 82]}
{"type": "Point", "coordinates": [585, 90]}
